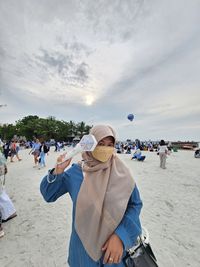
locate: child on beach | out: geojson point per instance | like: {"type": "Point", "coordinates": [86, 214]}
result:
{"type": "Point", "coordinates": [106, 203]}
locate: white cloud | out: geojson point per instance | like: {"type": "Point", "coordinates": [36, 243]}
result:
{"type": "Point", "coordinates": [97, 61]}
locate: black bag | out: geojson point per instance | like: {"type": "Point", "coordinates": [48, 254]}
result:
{"type": "Point", "coordinates": [140, 256]}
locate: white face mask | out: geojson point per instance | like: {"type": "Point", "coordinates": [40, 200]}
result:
{"type": "Point", "coordinates": [103, 153]}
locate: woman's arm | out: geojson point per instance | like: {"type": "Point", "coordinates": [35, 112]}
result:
{"type": "Point", "coordinates": [51, 190]}
{"type": "Point", "coordinates": [130, 228]}
{"type": "Point", "coordinates": [57, 182]}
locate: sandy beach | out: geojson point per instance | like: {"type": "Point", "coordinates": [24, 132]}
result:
{"type": "Point", "coordinates": [39, 235]}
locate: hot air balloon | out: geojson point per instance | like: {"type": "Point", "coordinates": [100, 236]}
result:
{"type": "Point", "coordinates": [130, 117]}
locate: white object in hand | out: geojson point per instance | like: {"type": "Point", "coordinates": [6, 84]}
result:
{"type": "Point", "coordinates": [87, 143]}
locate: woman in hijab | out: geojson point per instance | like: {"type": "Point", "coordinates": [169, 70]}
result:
{"type": "Point", "coordinates": [106, 203]}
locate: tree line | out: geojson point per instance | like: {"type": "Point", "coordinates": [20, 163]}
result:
{"type": "Point", "coordinates": [48, 128]}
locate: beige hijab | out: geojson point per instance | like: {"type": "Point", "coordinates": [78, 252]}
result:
{"type": "Point", "coordinates": [103, 197]}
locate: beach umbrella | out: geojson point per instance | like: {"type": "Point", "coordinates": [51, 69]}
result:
{"type": "Point", "coordinates": [130, 117]}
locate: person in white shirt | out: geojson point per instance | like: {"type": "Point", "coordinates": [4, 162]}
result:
{"type": "Point", "coordinates": [162, 150]}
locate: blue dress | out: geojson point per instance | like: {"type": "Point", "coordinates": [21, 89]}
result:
{"type": "Point", "coordinates": [70, 182]}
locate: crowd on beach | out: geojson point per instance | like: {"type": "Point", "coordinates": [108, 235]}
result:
{"type": "Point", "coordinates": [152, 146]}
{"type": "Point", "coordinates": [40, 148]}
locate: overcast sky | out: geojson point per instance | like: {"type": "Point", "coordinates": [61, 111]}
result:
{"type": "Point", "coordinates": [98, 61]}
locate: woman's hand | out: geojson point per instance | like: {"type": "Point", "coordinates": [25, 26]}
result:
{"type": "Point", "coordinates": [62, 166]}
{"type": "Point", "coordinates": [113, 250]}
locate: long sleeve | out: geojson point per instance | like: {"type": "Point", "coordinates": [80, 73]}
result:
{"type": "Point", "coordinates": [58, 186]}
{"type": "Point", "coordinates": [130, 227]}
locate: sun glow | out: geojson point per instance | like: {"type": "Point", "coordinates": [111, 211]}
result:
{"type": "Point", "coordinates": [89, 99]}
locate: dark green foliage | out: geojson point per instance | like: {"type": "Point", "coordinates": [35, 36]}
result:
{"type": "Point", "coordinates": [45, 128]}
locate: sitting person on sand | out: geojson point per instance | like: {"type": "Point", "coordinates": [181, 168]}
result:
{"type": "Point", "coordinates": [197, 153]}
{"type": "Point", "coordinates": [138, 155]}
{"type": "Point", "coordinates": [128, 150]}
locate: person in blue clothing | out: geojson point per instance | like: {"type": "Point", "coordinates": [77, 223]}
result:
{"type": "Point", "coordinates": [106, 203]}
{"type": "Point", "coordinates": [138, 155]}
{"type": "Point", "coordinates": [43, 151]}
{"type": "Point", "coordinates": [35, 151]}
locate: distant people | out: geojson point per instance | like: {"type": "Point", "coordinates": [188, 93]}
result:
{"type": "Point", "coordinates": [128, 149]}
{"type": "Point", "coordinates": [118, 148]}
{"type": "Point", "coordinates": [122, 148]}
{"type": "Point", "coordinates": [59, 146]}
{"type": "Point", "coordinates": [56, 146]}
{"type": "Point", "coordinates": [35, 151]}
{"type": "Point", "coordinates": [48, 145]}
{"type": "Point", "coordinates": [27, 144]}
{"type": "Point", "coordinates": [17, 147]}
{"type": "Point", "coordinates": [150, 147]}
{"type": "Point", "coordinates": [162, 151]}
{"type": "Point", "coordinates": [137, 143]}
{"type": "Point", "coordinates": [197, 153]}
{"type": "Point", "coordinates": [14, 149]}
{"type": "Point", "coordinates": [169, 146]}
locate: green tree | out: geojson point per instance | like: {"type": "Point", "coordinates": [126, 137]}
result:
{"type": "Point", "coordinates": [7, 131]}
{"type": "Point", "coordinates": [46, 128]}
{"type": "Point", "coordinates": [82, 128]}
{"type": "Point", "coordinates": [27, 126]}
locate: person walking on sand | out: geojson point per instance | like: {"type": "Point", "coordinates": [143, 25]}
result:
{"type": "Point", "coordinates": [6, 149]}
{"type": "Point", "coordinates": [35, 151]}
{"type": "Point", "coordinates": [162, 151]}
{"type": "Point", "coordinates": [43, 151]}
{"type": "Point", "coordinates": [14, 149]}
{"type": "Point", "coordinates": [106, 203]}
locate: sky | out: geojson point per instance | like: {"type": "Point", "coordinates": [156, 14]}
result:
{"type": "Point", "coordinates": [98, 61]}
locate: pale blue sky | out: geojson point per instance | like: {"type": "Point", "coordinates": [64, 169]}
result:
{"type": "Point", "coordinates": [98, 61]}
